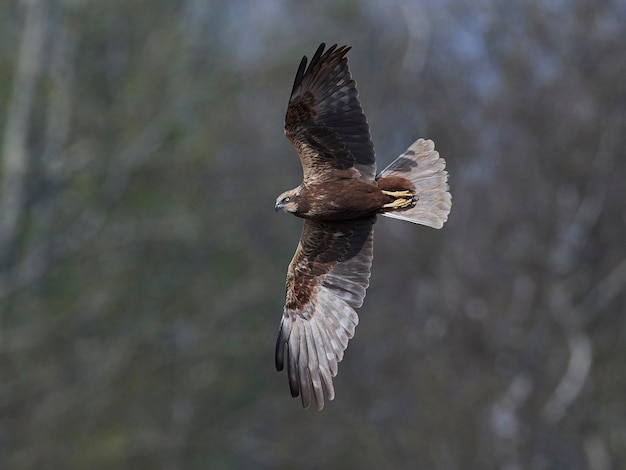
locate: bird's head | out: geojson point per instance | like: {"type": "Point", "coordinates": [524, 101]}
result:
{"type": "Point", "coordinates": [288, 201]}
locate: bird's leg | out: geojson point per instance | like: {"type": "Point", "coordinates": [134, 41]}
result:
{"type": "Point", "coordinates": [402, 200]}
{"type": "Point", "coordinates": [399, 194]}
{"type": "Point", "coordinates": [399, 204]}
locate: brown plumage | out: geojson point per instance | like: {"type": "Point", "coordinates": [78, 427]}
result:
{"type": "Point", "coordinates": [339, 198]}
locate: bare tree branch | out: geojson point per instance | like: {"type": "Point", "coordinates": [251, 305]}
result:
{"type": "Point", "coordinates": [58, 112]}
{"type": "Point", "coordinates": [603, 293]}
{"type": "Point", "coordinates": [505, 422]}
{"type": "Point", "coordinates": [589, 210]}
{"type": "Point", "coordinates": [596, 452]}
{"type": "Point", "coordinates": [574, 378]}
{"type": "Point", "coordinates": [569, 317]}
{"type": "Point", "coordinates": [581, 350]}
{"type": "Point", "coordinates": [82, 231]}
{"type": "Point", "coordinates": [15, 154]}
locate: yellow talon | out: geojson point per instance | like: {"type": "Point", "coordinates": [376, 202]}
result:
{"type": "Point", "coordinates": [399, 203]}
{"type": "Point", "coordinates": [402, 199]}
{"type": "Point", "coordinates": [399, 194]}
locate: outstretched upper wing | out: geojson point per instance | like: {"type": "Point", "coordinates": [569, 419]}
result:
{"type": "Point", "coordinates": [326, 281]}
{"type": "Point", "coordinates": [324, 119]}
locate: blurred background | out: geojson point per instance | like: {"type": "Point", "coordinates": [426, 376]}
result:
{"type": "Point", "coordinates": [142, 266]}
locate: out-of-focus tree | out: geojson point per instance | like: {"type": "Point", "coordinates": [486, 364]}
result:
{"type": "Point", "coordinates": [142, 266]}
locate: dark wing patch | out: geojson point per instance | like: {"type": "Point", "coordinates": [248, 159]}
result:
{"type": "Point", "coordinates": [326, 281]}
{"type": "Point", "coordinates": [324, 119]}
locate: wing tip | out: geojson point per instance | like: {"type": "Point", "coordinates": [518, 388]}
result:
{"type": "Point", "coordinates": [338, 52]}
{"type": "Point", "coordinates": [279, 356]}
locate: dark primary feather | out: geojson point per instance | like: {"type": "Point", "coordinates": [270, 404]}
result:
{"type": "Point", "coordinates": [324, 119]}
{"type": "Point", "coordinates": [326, 281]}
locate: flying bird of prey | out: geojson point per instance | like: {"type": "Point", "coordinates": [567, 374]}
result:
{"type": "Point", "coordinates": [339, 199]}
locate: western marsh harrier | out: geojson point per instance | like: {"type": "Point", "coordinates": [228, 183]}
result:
{"type": "Point", "coordinates": [339, 199]}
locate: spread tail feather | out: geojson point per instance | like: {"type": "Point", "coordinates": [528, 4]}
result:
{"type": "Point", "coordinates": [422, 165]}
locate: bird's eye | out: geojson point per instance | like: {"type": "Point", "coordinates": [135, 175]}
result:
{"type": "Point", "coordinates": [285, 200]}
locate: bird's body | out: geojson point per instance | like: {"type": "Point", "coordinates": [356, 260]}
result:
{"type": "Point", "coordinates": [345, 199]}
{"type": "Point", "coordinates": [339, 199]}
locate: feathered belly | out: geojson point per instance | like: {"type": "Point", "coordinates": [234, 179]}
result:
{"type": "Point", "coordinates": [342, 200]}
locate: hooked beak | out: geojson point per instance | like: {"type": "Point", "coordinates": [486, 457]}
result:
{"type": "Point", "coordinates": [278, 207]}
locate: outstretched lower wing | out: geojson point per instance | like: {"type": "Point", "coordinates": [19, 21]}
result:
{"type": "Point", "coordinates": [325, 122]}
{"type": "Point", "coordinates": [326, 281]}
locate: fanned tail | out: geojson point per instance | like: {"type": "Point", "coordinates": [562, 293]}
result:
{"type": "Point", "coordinates": [423, 167]}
